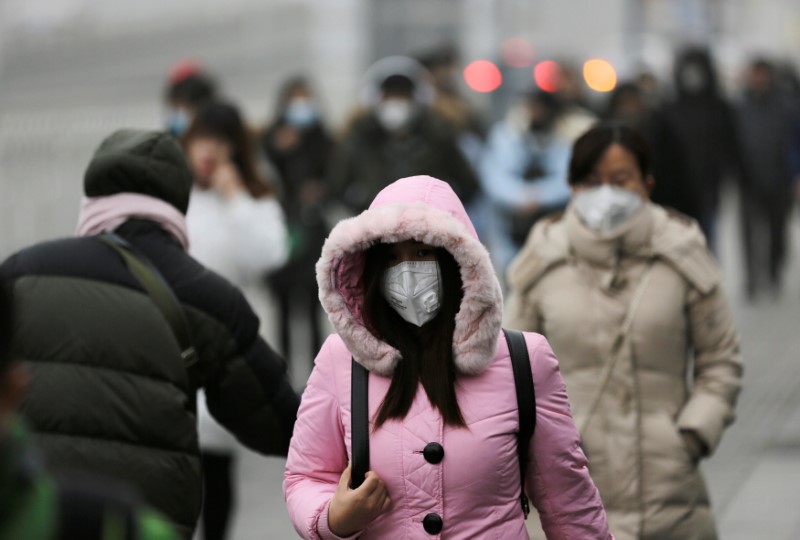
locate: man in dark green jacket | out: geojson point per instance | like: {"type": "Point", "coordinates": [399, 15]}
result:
{"type": "Point", "coordinates": [35, 507]}
{"type": "Point", "coordinates": [110, 391]}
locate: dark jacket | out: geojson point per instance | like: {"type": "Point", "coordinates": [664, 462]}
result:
{"type": "Point", "coordinates": [695, 143]}
{"type": "Point", "coordinates": [303, 168]}
{"type": "Point", "coordinates": [767, 124]}
{"type": "Point", "coordinates": [370, 158]}
{"type": "Point", "coordinates": [110, 392]}
{"type": "Point", "coordinates": [302, 164]}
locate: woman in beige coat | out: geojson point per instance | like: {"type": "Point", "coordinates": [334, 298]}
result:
{"type": "Point", "coordinates": [631, 301]}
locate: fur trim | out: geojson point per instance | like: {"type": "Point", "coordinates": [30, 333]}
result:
{"type": "Point", "coordinates": [339, 273]}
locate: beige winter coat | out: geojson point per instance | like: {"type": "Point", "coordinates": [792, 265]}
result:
{"type": "Point", "coordinates": [678, 369]}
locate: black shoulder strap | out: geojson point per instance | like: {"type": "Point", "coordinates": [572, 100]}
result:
{"type": "Point", "coordinates": [526, 404]}
{"type": "Point", "coordinates": [359, 416]}
{"type": "Point", "coordinates": [159, 291]}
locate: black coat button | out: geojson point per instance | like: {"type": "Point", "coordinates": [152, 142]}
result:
{"type": "Point", "coordinates": [433, 453]}
{"type": "Point", "coordinates": [433, 523]}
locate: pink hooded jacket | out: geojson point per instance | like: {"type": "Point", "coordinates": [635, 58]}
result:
{"type": "Point", "coordinates": [475, 488]}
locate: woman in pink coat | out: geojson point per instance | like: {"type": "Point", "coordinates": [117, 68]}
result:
{"type": "Point", "coordinates": [415, 300]}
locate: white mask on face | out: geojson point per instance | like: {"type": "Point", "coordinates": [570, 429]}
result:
{"type": "Point", "coordinates": [394, 113]}
{"type": "Point", "coordinates": [605, 208]}
{"type": "Point", "coordinates": [414, 290]}
{"type": "Point", "coordinates": [301, 112]}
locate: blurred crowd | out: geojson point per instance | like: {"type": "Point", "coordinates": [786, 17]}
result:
{"type": "Point", "coordinates": [286, 182]}
{"type": "Point", "coordinates": [411, 117]}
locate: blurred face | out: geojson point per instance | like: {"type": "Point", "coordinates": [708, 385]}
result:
{"type": "Point", "coordinates": [395, 111]}
{"type": "Point", "coordinates": [300, 92]}
{"type": "Point", "coordinates": [630, 105]}
{"type": "Point", "coordinates": [205, 154]}
{"type": "Point", "coordinates": [617, 167]}
{"type": "Point", "coordinates": [541, 118]}
{"type": "Point", "coordinates": [178, 118]}
{"type": "Point", "coordinates": [760, 80]}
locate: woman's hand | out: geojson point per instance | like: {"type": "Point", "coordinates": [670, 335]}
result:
{"type": "Point", "coordinates": [351, 510]}
{"type": "Point", "coordinates": [226, 180]}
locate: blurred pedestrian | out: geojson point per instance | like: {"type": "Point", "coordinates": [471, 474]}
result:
{"type": "Point", "coordinates": [413, 296]}
{"type": "Point", "coordinates": [236, 228]}
{"type": "Point", "coordinates": [623, 290]}
{"type": "Point", "coordinates": [298, 144]}
{"type": "Point", "coordinates": [696, 143]}
{"type": "Point", "coordinates": [575, 113]}
{"type": "Point", "coordinates": [110, 346]}
{"type": "Point", "coordinates": [449, 103]}
{"type": "Point", "coordinates": [627, 105]}
{"type": "Point", "coordinates": [35, 506]}
{"type": "Point", "coordinates": [524, 172]}
{"type": "Point", "coordinates": [442, 64]}
{"type": "Point", "coordinates": [188, 89]}
{"type": "Point", "coordinates": [767, 120]}
{"type": "Point", "coordinates": [398, 135]}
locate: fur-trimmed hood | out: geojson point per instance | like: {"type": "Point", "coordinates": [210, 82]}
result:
{"type": "Point", "coordinates": [425, 209]}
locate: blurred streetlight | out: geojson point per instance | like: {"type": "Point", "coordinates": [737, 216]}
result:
{"type": "Point", "coordinates": [483, 76]}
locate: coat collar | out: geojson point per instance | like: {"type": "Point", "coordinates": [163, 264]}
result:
{"type": "Point", "coordinates": [605, 250]}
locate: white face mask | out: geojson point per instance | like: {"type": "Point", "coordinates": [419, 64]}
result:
{"type": "Point", "coordinates": [414, 290]}
{"type": "Point", "coordinates": [605, 208]}
{"type": "Point", "coordinates": [301, 112]}
{"type": "Point", "coordinates": [394, 113]}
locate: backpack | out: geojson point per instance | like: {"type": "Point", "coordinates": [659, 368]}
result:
{"type": "Point", "coordinates": [526, 403]}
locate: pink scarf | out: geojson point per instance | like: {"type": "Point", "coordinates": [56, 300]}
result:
{"type": "Point", "coordinates": [105, 214]}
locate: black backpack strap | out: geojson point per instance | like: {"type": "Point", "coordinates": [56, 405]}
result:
{"type": "Point", "coordinates": [359, 416]}
{"type": "Point", "coordinates": [526, 404]}
{"type": "Point", "coordinates": [159, 291]}
{"type": "Point", "coordinates": [91, 510]}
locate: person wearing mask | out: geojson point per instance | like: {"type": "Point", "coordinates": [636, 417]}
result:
{"type": "Point", "coordinates": [442, 64]}
{"type": "Point", "coordinates": [523, 171]}
{"type": "Point", "coordinates": [628, 105]}
{"type": "Point", "coordinates": [415, 301]}
{"type": "Point", "coordinates": [298, 144]}
{"type": "Point", "coordinates": [188, 89]}
{"type": "Point", "coordinates": [113, 384]}
{"type": "Point", "coordinates": [237, 228]}
{"type": "Point", "coordinates": [696, 143]}
{"type": "Point", "coordinates": [34, 505]}
{"type": "Point", "coordinates": [766, 120]}
{"type": "Point", "coordinates": [575, 115]}
{"type": "Point", "coordinates": [397, 135]}
{"type": "Point", "coordinates": [631, 299]}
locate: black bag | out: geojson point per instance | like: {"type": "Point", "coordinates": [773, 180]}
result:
{"type": "Point", "coordinates": [526, 403]}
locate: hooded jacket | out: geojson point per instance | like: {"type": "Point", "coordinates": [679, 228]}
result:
{"type": "Point", "coordinates": [110, 392]}
{"type": "Point", "coordinates": [475, 488]}
{"type": "Point", "coordinates": [576, 287]}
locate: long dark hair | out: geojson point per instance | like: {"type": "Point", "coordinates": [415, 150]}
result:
{"type": "Point", "coordinates": [223, 121]}
{"type": "Point", "coordinates": [427, 351]}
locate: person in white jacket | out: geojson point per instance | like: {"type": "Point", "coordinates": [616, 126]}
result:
{"type": "Point", "coordinates": [236, 228]}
